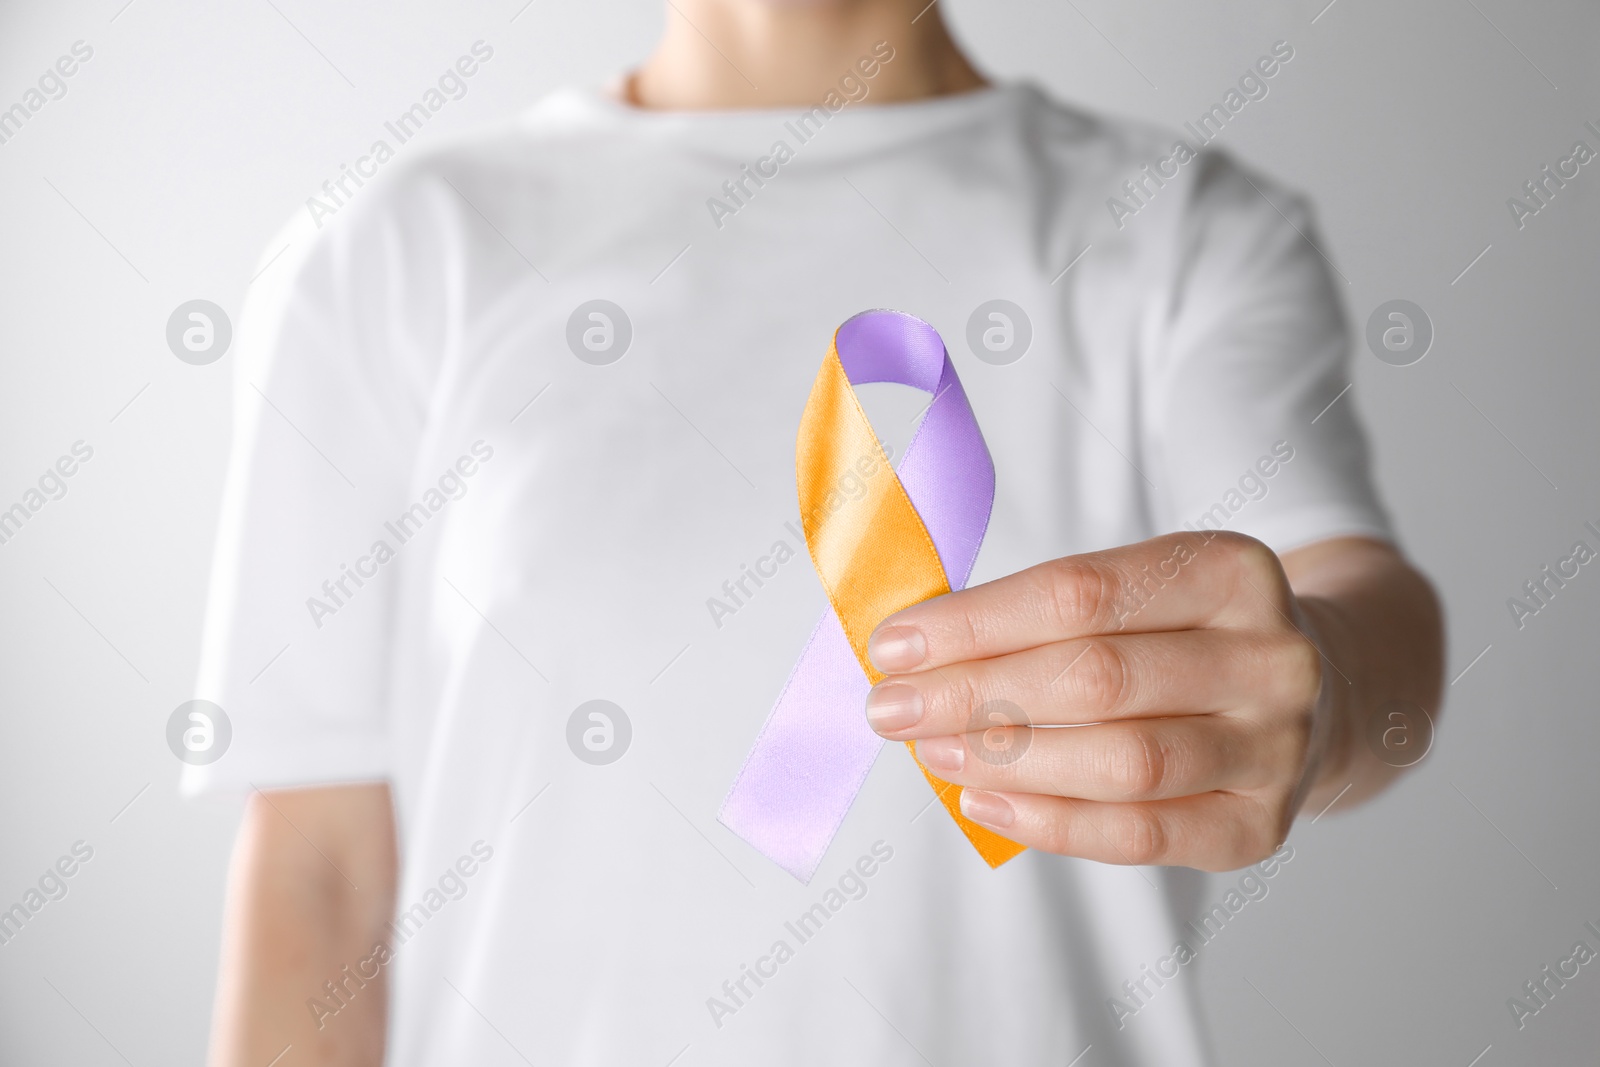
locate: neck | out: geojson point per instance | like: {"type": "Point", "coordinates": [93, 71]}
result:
{"type": "Point", "coordinates": [724, 54]}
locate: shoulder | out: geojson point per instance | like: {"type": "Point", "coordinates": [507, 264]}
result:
{"type": "Point", "coordinates": [1174, 179]}
{"type": "Point", "coordinates": [398, 187]}
{"type": "Point", "coordinates": [395, 185]}
{"type": "Point", "coordinates": [393, 214]}
{"type": "Point", "coordinates": [1083, 139]}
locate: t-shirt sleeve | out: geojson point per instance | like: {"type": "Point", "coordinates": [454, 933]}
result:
{"type": "Point", "coordinates": [1252, 427]}
{"type": "Point", "coordinates": [330, 385]}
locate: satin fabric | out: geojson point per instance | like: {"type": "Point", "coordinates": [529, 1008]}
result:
{"type": "Point", "coordinates": [880, 542]}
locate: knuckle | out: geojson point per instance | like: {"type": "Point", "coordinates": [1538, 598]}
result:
{"type": "Point", "coordinates": [1251, 552]}
{"type": "Point", "coordinates": [1302, 671]}
{"type": "Point", "coordinates": [1075, 594]}
{"type": "Point", "coordinates": [1072, 836]}
{"type": "Point", "coordinates": [1292, 669]}
{"type": "Point", "coordinates": [1254, 561]}
{"type": "Point", "coordinates": [1276, 750]}
{"type": "Point", "coordinates": [962, 633]}
{"type": "Point", "coordinates": [1230, 543]}
{"type": "Point", "coordinates": [1252, 840]}
{"type": "Point", "coordinates": [1141, 836]}
{"type": "Point", "coordinates": [1262, 836]}
{"type": "Point", "coordinates": [1253, 847]}
{"type": "Point", "coordinates": [1101, 677]}
{"type": "Point", "coordinates": [1136, 764]}
{"type": "Point", "coordinates": [957, 698]}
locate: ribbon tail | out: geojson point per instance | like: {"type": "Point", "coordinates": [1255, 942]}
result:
{"type": "Point", "coordinates": [994, 849]}
{"type": "Point", "coordinates": [809, 761]}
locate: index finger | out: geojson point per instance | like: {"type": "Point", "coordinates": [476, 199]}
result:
{"type": "Point", "coordinates": [1174, 582]}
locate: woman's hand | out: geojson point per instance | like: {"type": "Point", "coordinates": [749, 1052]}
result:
{"type": "Point", "coordinates": [1160, 703]}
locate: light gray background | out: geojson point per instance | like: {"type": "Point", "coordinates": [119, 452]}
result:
{"type": "Point", "coordinates": [1398, 932]}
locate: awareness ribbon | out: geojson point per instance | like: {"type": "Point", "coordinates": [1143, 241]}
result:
{"type": "Point", "coordinates": [879, 542]}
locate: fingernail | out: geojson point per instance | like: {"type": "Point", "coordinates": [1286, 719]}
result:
{"type": "Point", "coordinates": [893, 706]}
{"type": "Point", "coordinates": [987, 808]}
{"type": "Point", "coordinates": [947, 754]}
{"type": "Point", "coordinates": [896, 648]}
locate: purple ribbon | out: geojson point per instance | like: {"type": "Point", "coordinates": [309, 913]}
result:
{"type": "Point", "coordinates": [815, 750]}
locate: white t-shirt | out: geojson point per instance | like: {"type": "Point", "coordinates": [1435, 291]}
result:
{"type": "Point", "coordinates": [444, 532]}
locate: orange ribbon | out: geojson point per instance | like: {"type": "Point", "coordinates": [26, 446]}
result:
{"type": "Point", "coordinates": [871, 549]}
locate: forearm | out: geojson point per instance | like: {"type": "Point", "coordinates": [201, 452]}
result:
{"type": "Point", "coordinates": [1378, 625]}
{"type": "Point", "coordinates": [299, 966]}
